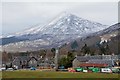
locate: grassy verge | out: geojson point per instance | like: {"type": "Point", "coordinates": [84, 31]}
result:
{"type": "Point", "coordinates": [52, 74]}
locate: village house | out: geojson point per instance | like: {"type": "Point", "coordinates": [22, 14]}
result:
{"type": "Point", "coordinates": [23, 62]}
{"type": "Point", "coordinates": [110, 60]}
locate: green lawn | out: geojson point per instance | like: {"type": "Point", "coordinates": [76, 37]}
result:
{"type": "Point", "coordinates": [52, 74]}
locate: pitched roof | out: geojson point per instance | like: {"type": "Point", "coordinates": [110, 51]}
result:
{"type": "Point", "coordinates": [32, 58]}
{"type": "Point", "coordinates": [101, 57]}
{"type": "Point", "coordinates": [21, 58]}
{"type": "Point", "coordinates": [87, 58]}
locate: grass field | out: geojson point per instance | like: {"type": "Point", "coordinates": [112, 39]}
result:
{"type": "Point", "coordinates": [52, 74]}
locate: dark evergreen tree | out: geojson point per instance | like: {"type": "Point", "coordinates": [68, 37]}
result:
{"type": "Point", "coordinates": [53, 51]}
{"type": "Point", "coordinates": [67, 61]}
{"type": "Point", "coordinates": [104, 48]}
{"type": "Point", "coordinates": [63, 62]}
{"type": "Point", "coordinates": [43, 53]}
{"type": "Point", "coordinates": [74, 45]}
{"type": "Point", "coordinates": [107, 49]}
{"type": "Point", "coordinates": [70, 58]}
{"type": "Point", "coordinates": [85, 49]}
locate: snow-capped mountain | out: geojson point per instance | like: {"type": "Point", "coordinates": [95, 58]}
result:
{"type": "Point", "coordinates": [62, 29]}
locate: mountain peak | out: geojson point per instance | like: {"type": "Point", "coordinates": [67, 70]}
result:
{"type": "Point", "coordinates": [63, 14]}
{"type": "Point", "coordinates": [64, 28]}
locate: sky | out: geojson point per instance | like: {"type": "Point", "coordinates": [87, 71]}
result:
{"type": "Point", "coordinates": [19, 16]}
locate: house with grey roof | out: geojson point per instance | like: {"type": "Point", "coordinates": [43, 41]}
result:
{"type": "Point", "coordinates": [30, 61]}
{"type": "Point", "coordinates": [25, 61]}
{"type": "Point", "coordinates": [33, 62]}
{"type": "Point", "coordinates": [99, 59]}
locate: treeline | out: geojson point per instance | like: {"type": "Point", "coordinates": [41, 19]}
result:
{"type": "Point", "coordinates": [103, 48]}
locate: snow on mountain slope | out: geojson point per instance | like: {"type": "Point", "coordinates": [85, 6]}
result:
{"type": "Point", "coordinates": [65, 24]}
{"type": "Point", "coordinates": [71, 24]}
{"type": "Point", "coordinates": [62, 29]}
{"type": "Point", "coordinates": [33, 30]}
